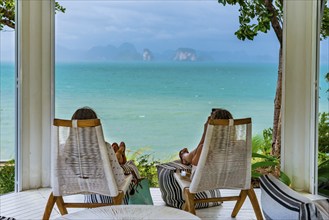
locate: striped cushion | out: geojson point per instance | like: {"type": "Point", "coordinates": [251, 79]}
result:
{"type": "Point", "coordinates": [127, 168]}
{"type": "Point", "coordinates": [278, 201]}
{"type": "Point", "coordinates": [130, 167]}
{"type": "Point", "coordinates": [6, 218]}
{"type": "Point", "coordinates": [323, 207]}
{"type": "Point", "coordinates": [172, 193]}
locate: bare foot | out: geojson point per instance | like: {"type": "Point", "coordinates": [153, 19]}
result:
{"type": "Point", "coordinates": [118, 154]}
{"type": "Point", "coordinates": [182, 155]}
{"type": "Point", "coordinates": [115, 147]}
{"type": "Point", "coordinates": [122, 152]}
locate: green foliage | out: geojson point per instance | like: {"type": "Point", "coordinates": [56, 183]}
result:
{"type": "Point", "coordinates": [264, 164]}
{"type": "Point", "coordinates": [263, 144]}
{"type": "Point", "coordinates": [322, 157]}
{"type": "Point", "coordinates": [59, 8]}
{"type": "Point", "coordinates": [323, 178]}
{"type": "Point", "coordinates": [7, 177]}
{"type": "Point", "coordinates": [146, 165]}
{"type": "Point", "coordinates": [254, 17]}
{"type": "Point", "coordinates": [7, 13]}
{"type": "Point", "coordinates": [324, 132]}
{"type": "Point", "coordinates": [323, 154]}
{"type": "Point", "coordinates": [324, 32]}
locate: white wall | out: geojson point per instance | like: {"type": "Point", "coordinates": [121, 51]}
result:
{"type": "Point", "coordinates": [35, 66]}
{"type": "Point", "coordinates": [299, 109]}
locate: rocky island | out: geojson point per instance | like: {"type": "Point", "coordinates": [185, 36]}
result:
{"type": "Point", "coordinates": [185, 54]}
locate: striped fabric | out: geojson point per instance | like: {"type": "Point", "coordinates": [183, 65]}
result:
{"type": "Point", "coordinates": [6, 218]}
{"type": "Point", "coordinates": [172, 193]}
{"type": "Point", "coordinates": [128, 168]}
{"type": "Point", "coordinates": [323, 207]}
{"type": "Point", "coordinates": [278, 201]}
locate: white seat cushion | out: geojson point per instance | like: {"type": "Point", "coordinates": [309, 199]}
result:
{"type": "Point", "coordinates": [280, 202]}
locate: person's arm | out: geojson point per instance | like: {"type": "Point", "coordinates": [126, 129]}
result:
{"type": "Point", "coordinates": [197, 152]}
{"type": "Point", "coordinates": [204, 132]}
{"type": "Point", "coordinates": [196, 157]}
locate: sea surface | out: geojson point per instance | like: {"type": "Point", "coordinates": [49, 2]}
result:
{"type": "Point", "coordinates": [158, 106]}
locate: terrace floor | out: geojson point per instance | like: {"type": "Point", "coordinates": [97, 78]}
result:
{"type": "Point", "coordinates": [30, 204]}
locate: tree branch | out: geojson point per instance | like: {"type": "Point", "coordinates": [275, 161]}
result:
{"type": "Point", "coordinates": [8, 23]}
{"type": "Point", "coordinates": [7, 13]}
{"type": "Point", "coordinates": [274, 20]}
{"type": "Point", "coordinates": [8, 17]}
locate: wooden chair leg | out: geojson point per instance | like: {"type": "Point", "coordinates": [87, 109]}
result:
{"type": "Point", "coordinates": [239, 203]}
{"type": "Point", "coordinates": [49, 207]}
{"type": "Point", "coordinates": [254, 202]}
{"type": "Point", "coordinates": [189, 201]}
{"type": "Point", "coordinates": [118, 199]}
{"type": "Point", "coordinates": [60, 204]}
{"type": "Point", "coordinates": [184, 207]}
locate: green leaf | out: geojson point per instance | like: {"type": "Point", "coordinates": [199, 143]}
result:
{"type": "Point", "coordinates": [222, 2]}
{"type": "Point", "coordinates": [284, 178]}
{"type": "Point", "coordinates": [268, 157]}
{"type": "Point", "coordinates": [7, 177]}
{"type": "Point", "coordinates": [263, 164]}
{"type": "Point", "coordinates": [254, 174]}
{"type": "Point", "coordinates": [7, 8]}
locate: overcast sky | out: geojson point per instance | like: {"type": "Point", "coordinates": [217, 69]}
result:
{"type": "Point", "coordinates": [158, 25]}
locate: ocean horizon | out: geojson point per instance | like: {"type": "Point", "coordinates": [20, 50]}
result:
{"type": "Point", "coordinates": [158, 106]}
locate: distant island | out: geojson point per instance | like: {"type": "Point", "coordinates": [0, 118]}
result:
{"type": "Point", "coordinates": [185, 54]}
{"type": "Point", "coordinates": [128, 52]}
{"type": "Point", "coordinates": [147, 55]}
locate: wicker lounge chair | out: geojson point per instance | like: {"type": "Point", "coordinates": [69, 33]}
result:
{"type": "Point", "coordinates": [81, 165]}
{"type": "Point", "coordinates": [225, 163]}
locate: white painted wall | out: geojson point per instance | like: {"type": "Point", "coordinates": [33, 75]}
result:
{"type": "Point", "coordinates": [35, 42]}
{"type": "Point", "coordinates": [299, 109]}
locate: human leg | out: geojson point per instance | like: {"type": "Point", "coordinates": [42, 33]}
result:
{"type": "Point", "coordinates": [122, 148]}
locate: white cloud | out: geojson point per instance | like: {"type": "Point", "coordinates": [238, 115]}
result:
{"type": "Point", "coordinates": [157, 23]}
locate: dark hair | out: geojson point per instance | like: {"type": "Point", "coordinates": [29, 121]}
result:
{"type": "Point", "coordinates": [84, 113]}
{"type": "Point", "coordinates": [221, 114]}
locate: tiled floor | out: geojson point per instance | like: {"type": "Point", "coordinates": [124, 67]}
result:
{"type": "Point", "coordinates": [30, 205]}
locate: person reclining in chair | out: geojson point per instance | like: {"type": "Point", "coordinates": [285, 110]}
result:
{"type": "Point", "coordinates": [85, 113]}
{"type": "Point", "coordinates": [192, 157]}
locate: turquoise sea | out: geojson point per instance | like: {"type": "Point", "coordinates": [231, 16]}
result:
{"type": "Point", "coordinates": [158, 105]}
